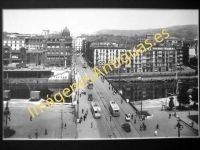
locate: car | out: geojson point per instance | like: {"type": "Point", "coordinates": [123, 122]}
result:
{"type": "Point", "coordinates": [126, 127]}
{"type": "Point", "coordinates": [127, 117]}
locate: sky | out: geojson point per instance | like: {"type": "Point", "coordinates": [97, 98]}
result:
{"type": "Point", "coordinates": [88, 21]}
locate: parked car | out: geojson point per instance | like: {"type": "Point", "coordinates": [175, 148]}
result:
{"type": "Point", "coordinates": [127, 117]}
{"type": "Point", "coordinates": [126, 127]}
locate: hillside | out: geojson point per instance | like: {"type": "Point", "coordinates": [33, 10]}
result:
{"type": "Point", "coordinates": [179, 31]}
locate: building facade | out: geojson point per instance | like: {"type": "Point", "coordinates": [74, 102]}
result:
{"type": "Point", "coordinates": [59, 49]}
{"type": "Point", "coordinates": [35, 43]}
{"type": "Point", "coordinates": [77, 44]}
{"type": "Point", "coordinates": [14, 42]}
{"type": "Point", "coordinates": [159, 58]}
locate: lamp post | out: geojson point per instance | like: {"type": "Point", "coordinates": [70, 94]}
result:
{"type": "Point", "coordinates": [120, 78]}
{"type": "Point", "coordinates": [179, 126]}
{"type": "Point", "coordinates": [7, 114]}
{"type": "Point", "coordinates": [78, 102]}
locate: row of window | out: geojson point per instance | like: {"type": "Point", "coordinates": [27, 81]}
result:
{"type": "Point", "coordinates": [13, 41]}
{"type": "Point", "coordinates": [55, 58]}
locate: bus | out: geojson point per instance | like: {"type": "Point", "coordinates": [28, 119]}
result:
{"type": "Point", "coordinates": [114, 109]}
{"type": "Point", "coordinates": [96, 109]}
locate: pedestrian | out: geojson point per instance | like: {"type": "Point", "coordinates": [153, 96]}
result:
{"type": "Point", "coordinates": [91, 124]}
{"type": "Point", "coordinates": [169, 115]}
{"type": "Point", "coordinates": [192, 123]}
{"type": "Point", "coordinates": [143, 124]}
{"type": "Point", "coordinates": [86, 111]}
{"type": "Point", "coordinates": [132, 116]}
{"type": "Point", "coordinates": [80, 120]}
{"type": "Point", "coordinates": [157, 126]}
{"type": "Point", "coordinates": [30, 118]}
{"type": "Point", "coordinates": [145, 127]}
{"type": "Point", "coordinates": [121, 101]}
{"type": "Point", "coordinates": [45, 131]}
{"type": "Point", "coordinates": [135, 121]}
{"type": "Point", "coordinates": [82, 111]}
{"type": "Point", "coordinates": [36, 133]}
{"type": "Point", "coordinates": [155, 133]}
{"type": "Point", "coordinates": [84, 117]}
{"type": "Point", "coordinates": [29, 137]}
{"type": "Point", "coordinates": [110, 117]}
{"type": "Point", "coordinates": [140, 127]}
{"type": "Point", "coordinates": [65, 125]}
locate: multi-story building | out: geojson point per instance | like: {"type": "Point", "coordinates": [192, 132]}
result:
{"type": "Point", "coordinates": [77, 44]}
{"type": "Point", "coordinates": [59, 48]}
{"type": "Point", "coordinates": [13, 56]}
{"type": "Point", "coordinates": [140, 39]}
{"type": "Point", "coordinates": [159, 58]}
{"type": "Point", "coordinates": [182, 54]}
{"type": "Point", "coordinates": [35, 43]}
{"type": "Point", "coordinates": [150, 37]}
{"type": "Point", "coordinates": [171, 40]}
{"type": "Point", "coordinates": [14, 42]}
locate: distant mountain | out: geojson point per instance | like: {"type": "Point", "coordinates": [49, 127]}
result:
{"type": "Point", "coordinates": [179, 31]}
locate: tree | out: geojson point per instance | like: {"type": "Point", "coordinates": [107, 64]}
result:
{"type": "Point", "coordinates": [171, 103]}
{"type": "Point", "coordinates": [183, 96]}
{"type": "Point", "coordinates": [195, 95]}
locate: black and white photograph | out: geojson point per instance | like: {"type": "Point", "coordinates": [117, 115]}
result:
{"type": "Point", "coordinates": [100, 73]}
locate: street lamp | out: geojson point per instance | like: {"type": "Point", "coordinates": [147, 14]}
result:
{"type": "Point", "coordinates": [179, 126]}
{"type": "Point", "coordinates": [120, 77]}
{"type": "Point", "coordinates": [78, 101]}
{"type": "Point", "coordinates": [7, 114]}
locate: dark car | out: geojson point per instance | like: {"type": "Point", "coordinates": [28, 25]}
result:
{"type": "Point", "coordinates": [126, 127]}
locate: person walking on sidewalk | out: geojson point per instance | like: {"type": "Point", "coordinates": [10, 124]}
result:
{"type": "Point", "coordinates": [30, 118]}
{"type": "Point", "coordinates": [140, 127]}
{"type": "Point", "coordinates": [91, 124]}
{"type": "Point", "coordinates": [36, 133]}
{"type": "Point", "coordinates": [169, 115]}
{"type": "Point", "coordinates": [65, 125]}
{"type": "Point", "coordinates": [45, 131]}
{"type": "Point", "coordinates": [192, 123]}
{"type": "Point", "coordinates": [80, 119]}
{"type": "Point", "coordinates": [135, 121]}
{"type": "Point", "coordinates": [121, 101]}
{"type": "Point", "coordinates": [132, 116]}
{"type": "Point", "coordinates": [82, 111]}
{"type": "Point", "coordinates": [157, 126]}
{"type": "Point", "coordinates": [110, 117]}
{"type": "Point", "coordinates": [84, 117]}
